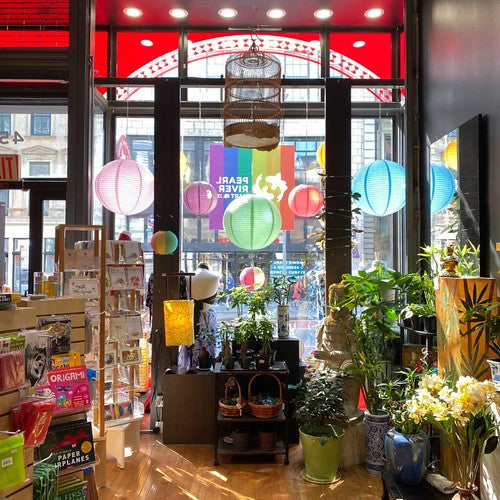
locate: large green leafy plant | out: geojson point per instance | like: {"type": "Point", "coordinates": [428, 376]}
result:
{"type": "Point", "coordinates": [371, 299]}
{"type": "Point", "coordinates": [320, 402]}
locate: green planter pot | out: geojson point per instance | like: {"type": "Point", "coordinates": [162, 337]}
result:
{"type": "Point", "coordinates": [321, 460]}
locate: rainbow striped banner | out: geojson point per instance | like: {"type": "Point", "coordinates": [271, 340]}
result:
{"type": "Point", "coordinates": [238, 171]}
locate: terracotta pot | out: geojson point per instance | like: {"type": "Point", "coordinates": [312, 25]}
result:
{"type": "Point", "coordinates": [267, 439]}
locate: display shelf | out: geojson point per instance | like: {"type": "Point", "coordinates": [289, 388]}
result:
{"type": "Point", "coordinates": [228, 449]}
{"type": "Point", "coordinates": [12, 321]}
{"type": "Point", "coordinates": [281, 417]}
{"type": "Point", "coordinates": [278, 370]}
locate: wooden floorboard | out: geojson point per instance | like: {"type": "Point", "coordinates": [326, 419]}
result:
{"type": "Point", "coordinates": [158, 471]}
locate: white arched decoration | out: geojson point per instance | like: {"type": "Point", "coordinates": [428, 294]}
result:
{"type": "Point", "coordinates": [273, 44]}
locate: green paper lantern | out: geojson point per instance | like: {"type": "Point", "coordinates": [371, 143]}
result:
{"type": "Point", "coordinates": [252, 222]}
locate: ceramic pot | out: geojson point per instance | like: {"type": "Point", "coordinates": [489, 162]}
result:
{"type": "Point", "coordinates": [321, 460]}
{"type": "Point", "coordinates": [430, 323]}
{"type": "Point", "coordinates": [267, 439]}
{"type": "Point", "coordinates": [408, 456]}
{"type": "Point", "coordinates": [241, 438]}
{"type": "Point", "coordinates": [495, 369]}
{"type": "Point", "coordinates": [283, 321]}
{"type": "Point", "coordinates": [376, 427]}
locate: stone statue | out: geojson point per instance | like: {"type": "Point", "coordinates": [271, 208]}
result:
{"type": "Point", "coordinates": [334, 341]}
{"type": "Point", "coordinates": [449, 263]}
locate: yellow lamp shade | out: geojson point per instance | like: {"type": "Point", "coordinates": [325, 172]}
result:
{"type": "Point", "coordinates": [179, 322]}
{"type": "Point", "coordinates": [451, 154]}
{"type": "Point", "coordinates": [321, 155]}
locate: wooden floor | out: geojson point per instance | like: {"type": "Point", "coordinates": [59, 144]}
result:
{"type": "Point", "coordinates": [187, 471]}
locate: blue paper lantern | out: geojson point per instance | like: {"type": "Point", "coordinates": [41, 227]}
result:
{"type": "Point", "coordinates": [442, 187]}
{"type": "Point", "coordinates": [252, 222]}
{"type": "Point", "coordinates": [381, 185]}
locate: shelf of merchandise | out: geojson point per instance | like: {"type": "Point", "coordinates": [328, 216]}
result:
{"type": "Point", "coordinates": [280, 370]}
{"type": "Point", "coordinates": [13, 321]}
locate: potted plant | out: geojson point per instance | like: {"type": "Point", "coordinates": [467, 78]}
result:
{"type": "Point", "coordinates": [265, 331]}
{"type": "Point", "coordinates": [319, 408]}
{"type": "Point", "coordinates": [407, 447]}
{"type": "Point", "coordinates": [281, 287]}
{"type": "Point", "coordinates": [369, 335]}
{"type": "Point", "coordinates": [248, 327]}
{"type": "Point", "coordinates": [226, 331]}
{"type": "Point", "coordinates": [462, 411]}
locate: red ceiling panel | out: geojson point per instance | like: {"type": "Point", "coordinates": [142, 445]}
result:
{"type": "Point", "coordinates": [375, 55]}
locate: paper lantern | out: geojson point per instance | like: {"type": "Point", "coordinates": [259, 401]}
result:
{"type": "Point", "coordinates": [164, 242]}
{"type": "Point", "coordinates": [252, 222]}
{"type": "Point", "coordinates": [321, 155]}
{"type": "Point", "coordinates": [252, 100]}
{"type": "Point", "coordinates": [125, 187]}
{"type": "Point", "coordinates": [381, 185]}
{"type": "Point", "coordinates": [305, 200]}
{"type": "Point", "coordinates": [183, 163]}
{"type": "Point", "coordinates": [179, 322]}
{"type": "Point", "coordinates": [252, 278]}
{"type": "Point", "coordinates": [442, 187]}
{"type": "Point", "coordinates": [200, 198]}
{"type": "Point", "coordinates": [451, 155]}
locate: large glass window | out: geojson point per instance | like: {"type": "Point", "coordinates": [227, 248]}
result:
{"type": "Point", "coordinates": [39, 169]}
{"type": "Point", "coordinates": [293, 250]}
{"type": "Point", "coordinates": [40, 124]}
{"type": "Point", "coordinates": [5, 124]}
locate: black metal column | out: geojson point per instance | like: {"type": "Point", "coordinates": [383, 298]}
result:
{"type": "Point", "coordinates": [167, 217]}
{"type": "Point", "coordinates": [417, 174]}
{"type": "Point", "coordinates": [80, 106]}
{"type": "Point", "coordinates": [338, 180]}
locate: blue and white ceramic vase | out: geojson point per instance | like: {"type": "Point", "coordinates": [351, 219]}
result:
{"type": "Point", "coordinates": [408, 456]}
{"type": "Point", "coordinates": [376, 427]}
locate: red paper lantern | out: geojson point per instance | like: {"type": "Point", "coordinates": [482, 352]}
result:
{"type": "Point", "coordinates": [125, 187]}
{"type": "Point", "coordinates": [200, 198]}
{"type": "Point", "coordinates": [305, 200]}
{"type": "Point", "coordinates": [252, 278]}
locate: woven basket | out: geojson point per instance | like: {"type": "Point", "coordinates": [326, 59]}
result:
{"type": "Point", "coordinates": [236, 410]}
{"type": "Point", "coordinates": [265, 411]}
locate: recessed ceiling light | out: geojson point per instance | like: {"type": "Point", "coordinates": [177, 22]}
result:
{"type": "Point", "coordinates": [132, 12]}
{"type": "Point", "coordinates": [227, 12]}
{"type": "Point", "coordinates": [147, 43]}
{"type": "Point", "coordinates": [374, 13]}
{"type": "Point", "coordinates": [178, 13]}
{"type": "Point", "coordinates": [358, 44]}
{"type": "Point", "coordinates": [276, 13]}
{"type": "Point", "coordinates": [323, 13]}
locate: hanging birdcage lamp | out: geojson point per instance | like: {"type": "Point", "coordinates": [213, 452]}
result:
{"type": "Point", "coordinates": [252, 104]}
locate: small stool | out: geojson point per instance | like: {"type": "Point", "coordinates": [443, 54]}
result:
{"type": "Point", "coordinates": [123, 436]}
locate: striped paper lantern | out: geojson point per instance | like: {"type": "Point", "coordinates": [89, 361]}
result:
{"type": "Point", "coordinates": [305, 200]}
{"type": "Point", "coordinates": [200, 198]}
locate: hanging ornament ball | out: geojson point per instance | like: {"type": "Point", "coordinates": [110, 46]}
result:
{"type": "Point", "coordinates": [183, 163]}
{"type": "Point", "coordinates": [381, 185]}
{"type": "Point", "coordinates": [321, 155]}
{"type": "Point", "coordinates": [442, 187]}
{"type": "Point", "coordinates": [200, 198]}
{"type": "Point", "coordinates": [125, 187]}
{"type": "Point", "coordinates": [252, 222]}
{"type": "Point", "coordinates": [164, 242]}
{"type": "Point", "coordinates": [252, 278]}
{"type": "Point", "coordinates": [305, 200]}
{"type": "Point", "coordinates": [451, 154]}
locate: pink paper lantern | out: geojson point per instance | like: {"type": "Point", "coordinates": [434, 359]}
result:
{"type": "Point", "coordinates": [252, 278]}
{"type": "Point", "coordinates": [305, 200]}
{"type": "Point", "coordinates": [125, 187]}
{"type": "Point", "coordinates": [200, 198]}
